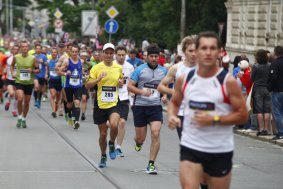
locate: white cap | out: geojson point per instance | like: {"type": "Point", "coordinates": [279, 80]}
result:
{"type": "Point", "coordinates": [108, 45]}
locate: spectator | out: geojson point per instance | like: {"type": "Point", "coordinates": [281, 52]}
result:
{"type": "Point", "coordinates": [236, 68]}
{"type": "Point", "coordinates": [161, 60]}
{"type": "Point", "coordinates": [275, 85]}
{"type": "Point", "coordinates": [133, 59]}
{"type": "Point", "coordinates": [260, 95]}
{"type": "Point", "coordinates": [144, 56]}
{"type": "Point", "coordinates": [245, 75]}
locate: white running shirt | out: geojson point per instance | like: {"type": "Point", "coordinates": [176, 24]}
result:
{"type": "Point", "coordinates": [206, 94]}
{"type": "Point", "coordinates": [127, 72]}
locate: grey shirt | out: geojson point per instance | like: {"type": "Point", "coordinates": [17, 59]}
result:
{"type": "Point", "coordinates": [148, 79]}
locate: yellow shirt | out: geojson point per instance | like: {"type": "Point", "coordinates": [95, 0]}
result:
{"type": "Point", "coordinates": [107, 88]}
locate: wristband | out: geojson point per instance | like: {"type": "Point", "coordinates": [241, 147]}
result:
{"type": "Point", "coordinates": [216, 120]}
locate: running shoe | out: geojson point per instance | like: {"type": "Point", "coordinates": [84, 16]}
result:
{"type": "Point", "coordinates": [24, 124]}
{"type": "Point", "coordinates": [112, 151]}
{"type": "Point", "coordinates": [102, 163]}
{"type": "Point", "coordinates": [151, 169]}
{"type": "Point", "coordinates": [35, 103]}
{"type": "Point", "coordinates": [60, 112]}
{"type": "Point", "coordinates": [7, 106]}
{"type": "Point", "coordinates": [138, 147]}
{"type": "Point", "coordinates": [76, 125]}
{"type": "Point", "coordinates": [83, 117]}
{"type": "Point", "coordinates": [38, 104]}
{"type": "Point", "coordinates": [119, 152]}
{"type": "Point", "coordinates": [19, 123]}
{"type": "Point", "coordinates": [43, 99]}
{"type": "Point", "coordinates": [14, 113]}
{"type": "Point", "coordinates": [54, 114]}
{"type": "Point", "coordinates": [70, 121]}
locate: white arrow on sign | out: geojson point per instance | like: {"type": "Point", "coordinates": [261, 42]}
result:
{"type": "Point", "coordinates": [111, 26]}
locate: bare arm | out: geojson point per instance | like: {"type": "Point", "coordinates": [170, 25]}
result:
{"type": "Point", "coordinates": [60, 62]}
{"type": "Point", "coordinates": [174, 104]}
{"type": "Point", "coordinates": [36, 67]}
{"type": "Point", "coordinates": [13, 66]}
{"type": "Point", "coordinates": [169, 78]}
{"type": "Point", "coordinates": [63, 67]}
{"type": "Point", "coordinates": [237, 101]}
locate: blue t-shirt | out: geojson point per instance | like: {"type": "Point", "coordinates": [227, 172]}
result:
{"type": "Point", "coordinates": [41, 65]}
{"type": "Point", "coordinates": [136, 62]}
{"type": "Point", "coordinates": [51, 68]}
{"type": "Point", "coordinates": [148, 79]}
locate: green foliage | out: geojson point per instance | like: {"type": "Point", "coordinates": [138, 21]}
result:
{"type": "Point", "coordinates": [156, 21]}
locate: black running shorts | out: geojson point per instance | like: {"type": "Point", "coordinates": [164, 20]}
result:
{"type": "Point", "coordinates": [26, 88]}
{"type": "Point", "coordinates": [214, 164]}
{"type": "Point", "coordinates": [101, 116]}
{"type": "Point", "coordinates": [123, 107]}
{"type": "Point", "coordinates": [10, 82]}
{"type": "Point", "coordinates": [1, 82]}
{"type": "Point", "coordinates": [73, 94]}
{"type": "Point", "coordinates": [55, 84]}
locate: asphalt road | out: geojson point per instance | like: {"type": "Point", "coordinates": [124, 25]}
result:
{"type": "Point", "coordinates": [50, 154]}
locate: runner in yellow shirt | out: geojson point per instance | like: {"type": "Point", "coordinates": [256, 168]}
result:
{"type": "Point", "coordinates": [107, 75]}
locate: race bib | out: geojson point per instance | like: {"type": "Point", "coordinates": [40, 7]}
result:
{"type": "Point", "coordinates": [74, 81]}
{"type": "Point", "coordinates": [152, 88]}
{"type": "Point", "coordinates": [24, 75]}
{"type": "Point", "coordinates": [40, 66]}
{"type": "Point", "coordinates": [108, 94]}
{"type": "Point", "coordinates": [53, 73]}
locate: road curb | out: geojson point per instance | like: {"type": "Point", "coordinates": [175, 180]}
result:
{"type": "Point", "coordinates": [260, 138]}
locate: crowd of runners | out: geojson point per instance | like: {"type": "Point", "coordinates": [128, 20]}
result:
{"type": "Point", "coordinates": [206, 100]}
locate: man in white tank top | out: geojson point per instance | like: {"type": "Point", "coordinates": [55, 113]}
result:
{"type": "Point", "coordinates": [213, 104]}
{"type": "Point", "coordinates": [188, 48]}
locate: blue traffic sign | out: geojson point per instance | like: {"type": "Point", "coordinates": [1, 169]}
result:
{"type": "Point", "coordinates": [111, 26]}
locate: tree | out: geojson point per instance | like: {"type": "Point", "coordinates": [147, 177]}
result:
{"type": "Point", "coordinates": [156, 21]}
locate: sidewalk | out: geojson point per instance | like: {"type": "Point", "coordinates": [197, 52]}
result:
{"type": "Point", "coordinates": [250, 134]}
{"type": "Point", "coordinates": [261, 138]}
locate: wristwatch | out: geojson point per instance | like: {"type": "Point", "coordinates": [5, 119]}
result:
{"type": "Point", "coordinates": [216, 120]}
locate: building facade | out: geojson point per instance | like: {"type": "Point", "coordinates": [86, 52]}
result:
{"type": "Point", "coordinates": [252, 25]}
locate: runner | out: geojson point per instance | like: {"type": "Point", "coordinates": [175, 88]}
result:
{"type": "Point", "coordinates": [10, 82]}
{"type": "Point", "coordinates": [72, 69]}
{"type": "Point", "coordinates": [39, 81]}
{"type": "Point", "coordinates": [147, 106]}
{"type": "Point", "coordinates": [107, 76]}
{"type": "Point", "coordinates": [2, 76]}
{"type": "Point", "coordinates": [95, 59]}
{"type": "Point", "coordinates": [26, 66]}
{"type": "Point", "coordinates": [214, 102]}
{"type": "Point", "coordinates": [123, 103]}
{"type": "Point", "coordinates": [85, 94]}
{"type": "Point", "coordinates": [188, 48]}
{"type": "Point", "coordinates": [63, 54]}
{"type": "Point", "coordinates": [55, 86]}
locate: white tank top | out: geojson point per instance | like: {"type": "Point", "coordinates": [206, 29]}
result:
{"type": "Point", "coordinates": [182, 69]}
{"type": "Point", "coordinates": [208, 94]}
{"type": "Point", "coordinates": [9, 62]}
